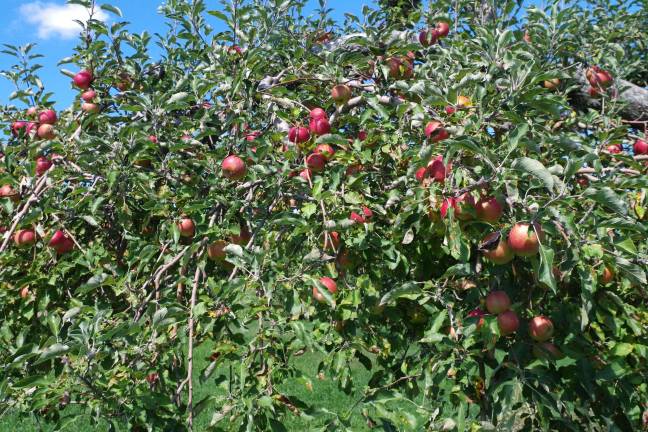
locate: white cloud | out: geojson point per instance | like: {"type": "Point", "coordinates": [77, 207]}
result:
{"type": "Point", "coordinates": [53, 19]}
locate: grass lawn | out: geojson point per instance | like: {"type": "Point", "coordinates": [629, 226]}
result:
{"type": "Point", "coordinates": [324, 395]}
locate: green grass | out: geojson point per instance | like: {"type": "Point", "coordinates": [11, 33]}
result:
{"type": "Point", "coordinates": [324, 395]}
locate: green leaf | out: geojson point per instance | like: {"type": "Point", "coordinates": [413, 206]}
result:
{"type": "Point", "coordinates": [545, 270]}
{"type": "Point", "coordinates": [536, 169]}
{"type": "Point", "coordinates": [409, 289]}
{"type": "Point", "coordinates": [608, 198]}
{"type": "Point", "coordinates": [111, 8]}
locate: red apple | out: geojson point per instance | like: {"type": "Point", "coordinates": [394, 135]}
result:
{"type": "Point", "coordinates": [17, 126]}
{"type": "Point", "coordinates": [428, 37]}
{"type": "Point", "coordinates": [153, 139]}
{"type": "Point", "coordinates": [332, 241]}
{"type": "Point", "coordinates": [32, 111]}
{"type": "Point", "coordinates": [233, 167]}
{"type": "Point", "coordinates": [90, 108]}
{"type": "Point", "coordinates": [216, 250]}
{"type": "Point", "coordinates": [251, 136]}
{"type": "Point", "coordinates": [547, 351]}
{"type": "Point", "coordinates": [497, 302]}
{"type": "Point", "coordinates": [508, 322]}
{"type": "Point", "coordinates": [437, 170]}
{"type": "Point", "coordinates": [46, 132]}
{"type": "Point", "coordinates": [435, 131]}
{"type": "Point", "coordinates": [341, 93]}
{"type": "Point", "coordinates": [582, 181]}
{"type": "Point", "coordinates": [400, 67]}
{"type": "Point", "coordinates": [316, 162]}
{"type": "Point", "coordinates": [330, 285]}
{"type": "Point", "coordinates": [89, 95]}
{"type": "Point", "coordinates": [318, 113]}
{"type": "Point", "coordinates": [442, 29]}
{"type": "Point", "coordinates": [523, 239]}
{"type": "Point", "coordinates": [42, 165]}
{"type": "Point", "coordinates": [598, 77]}
{"type": "Point", "coordinates": [594, 92]}
{"type": "Point", "coordinates": [541, 328]}
{"type": "Point", "coordinates": [501, 254]}
{"type": "Point", "coordinates": [449, 109]}
{"type": "Point", "coordinates": [319, 126]}
{"type": "Point", "coordinates": [366, 211]}
{"type": "Point", "coordinates": [25, 237]}
{"type": "Point", "coordinates": [640, 147]}
{"type": "Point", "coordinates": [7, 191]}
{"type": "Point", "coordinates": [244, 236]}
{"type": "Point", "coordinates": [357, 218]}
{"type": "Point", "coordinates": [362, 135]}
{"type": "Point", "coordinates": [325, 150]}
{"type": "Point", "coordinates": [489, 209]}
{"type": "Point", "coordinates": [186, 227]}
{"type": "Point", "coordinates": [614, 148]}
{"type": "Point", "coordinates": [306, 174]}
{"type": "Point", "coordinates": [83, 79]}
{"type": "Point", "coordinates": [354, 169]}
{"type": "Point", "coordinates": [464, 206]}
{"type": "Point", "coordinates": [47, 117]}
{"type": "Point", "coordinates": [421, 174]}
{"type": "Point", "coordinates": [607, 276]}
{"type": "Point", "coordinates": [298, 134]}
{"type": "Point", "coordinates": [477, 313]}
{"type": "Point", "coordinates": [527, 37]}
{"type": "Point", "coordinates": [446, 205]}
{"type": "Point", "coordinates": [61, 243]}
{"type": "Point", "coordinates": [235, 49]}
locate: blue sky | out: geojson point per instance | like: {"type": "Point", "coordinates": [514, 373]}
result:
{"type": "Point", "coordinates": [49, 23]}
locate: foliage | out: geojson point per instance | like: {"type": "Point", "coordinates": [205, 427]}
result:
{"type": "Point", "coordinates": [112, 325]}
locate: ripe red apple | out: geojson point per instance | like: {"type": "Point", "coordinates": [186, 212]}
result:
{"type": "Point", "coordinates": [489, 209]}
{"type": "Point", "coordinates": [153, 139]}
{"type": "Point", "coordinates": [547, 351]}
{"type": "Point", "coordinates": [17, 126]}
{"type": "Point", "coordinates": [25, 237]}
{"type": "Point", "coordinates": [298, 134]}
{"type": "Point", "coordinates": [437, 170]}
{"type": "Point", "coordinates": [464, 206]}
{"type": "Point", "coordinates": [244, 236]}
{"type": "Point", "coordinates": [501, 254]}
{"type": "Point", "coordinates": [449, 109]}
{"type": "Point", "coordinates": [318, 113]}
{"type": "Point", "coordinates": [497, 302]}
{"type": "Point", "coordinates": [325, 150]}
{"type": "Point", "coordinates": [24, 292]}
{"type": "Point", "coordinates": [442, 29]}
{"type": "Point", "coordinates": [186, 227]}
{"type": "Point", "coordinates": [607, 276]}
{"type": "Point", "coordinates": [7, 191]}
{"type": "Point", "coordinates": [89, 95]}
{"type": "Point", "coordinates": [332, 241]}
{"type": "Point", "coordinates": [541, 328]}
{"type": "Point", "coordinates": [251, 136]}
{"type": "Point", "coordinates": [341, 93]}
{"type": "Point", "coordinates": [90, 108]}
{"type": "Point", "coordinates": [330, 285]}
{"type": "Point", "coordinates": [306, 174]}
{"type": "Point", "coordinates": [527, 37]}
{"type": "Point", "coordinates": [32, 112]}
{"type": "Point", "coordinates": [428, 37]}
{"type": "Point", "coordinates": [61, 243]}
{"type": "Point", "coordinates": [316, 162]}
{"type": "Point", "coordinates": [640, 147]}
{"type": "Point", "coordinates": [598, 77]}
{"type": "Point", "coordinates": [582, 181]}
{"type": "Point", "coordinates": [235, 49]}
{"type": "Point", "coordinates": [594, 92]}
{"type": "Point", "coordinates": [319, 126]}
{"type": "Point", "coordinates": [477, 313]}
{"type": "Point", "coordinates": [614, 148]}
{"type": "Point", "coordinates": [83, 79]}
{"type": "Point", "coordinates": [354, 169]}
{"type": "Point", "coordinates": [233, 167]}
{"type": "Point", "coordinates": [421, 174]}
{"type": "Point", "coordinates": [508, 322]}
{"type": "Point", "coordinates": [46, 132]}
{"type": "Point", "coordinates": [216, 250]}
{"type": "Point", "coordinates": [446, 205]}
{"type": "Point", "coordinates": [362, 135]}
{"type": "Point", "coordinates": [400, 67]}
{"type": "Point", "coordinates": [47, 117]}
{"type": "Point", "coordinates": [42, 165]}
{"type": "Point", "coordinates": [357, 218]}
{"type": "Point", "coordinates": [435, 131]}
{"type": "Point", "coordinates": [523, 239]}
{"type": "Point", "coordinates": [552, 84]}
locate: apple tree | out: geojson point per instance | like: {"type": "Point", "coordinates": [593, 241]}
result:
{"type": "Point", "coordinates": [451, 196]}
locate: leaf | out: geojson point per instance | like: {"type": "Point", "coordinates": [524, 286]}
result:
{"type": "Point", "coordinates": [622, 349]}
{"type": "Point", "coordinates": [635, 273]}
{"type": "Point", "coordinates": [177, 97]}
{"type": "Point", "coordinates": [545, 274]}
{"type": "Point", "coordinates": [608, 198]}
{"type": "Point", "coordinates": [405, 290]}
{"type": "Point", "coordinates": [113, 9]}
{"type": "Point", "coordinates": [535, 168]}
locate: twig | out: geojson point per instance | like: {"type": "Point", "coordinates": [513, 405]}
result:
{"type": "Point", "coordinates": [194, 292]}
